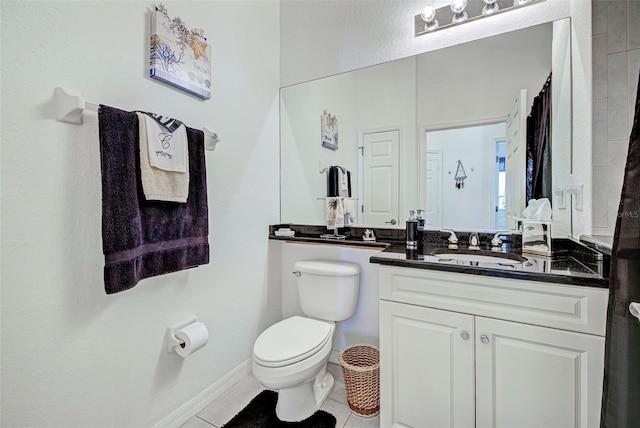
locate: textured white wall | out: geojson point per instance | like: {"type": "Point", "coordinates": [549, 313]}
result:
{"type": "Point", "coordinates": [322, 38]}
{"type": "Point", "coordinates": [71, 355]}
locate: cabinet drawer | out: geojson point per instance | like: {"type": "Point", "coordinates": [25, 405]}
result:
{"type": "Point", "coordinates": [567, 307]}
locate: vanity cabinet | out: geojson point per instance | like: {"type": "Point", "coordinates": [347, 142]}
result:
{"type": "Point", "coordinates": [460, 350]}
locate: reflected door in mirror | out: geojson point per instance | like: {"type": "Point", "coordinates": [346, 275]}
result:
{"type": "Point", "coordinates": [380, 178]}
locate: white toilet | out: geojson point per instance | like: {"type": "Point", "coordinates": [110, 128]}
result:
{"type": "Point", "coordinates": [291, 356]}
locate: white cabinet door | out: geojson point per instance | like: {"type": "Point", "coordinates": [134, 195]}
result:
{"type": "Point", "coordinates": [528, 376]}
{"type": "Point", "coordinates": [426, 367]}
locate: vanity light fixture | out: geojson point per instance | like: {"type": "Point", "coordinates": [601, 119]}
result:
{"type": "Point", "coordinates": [456, 12]}
{"type": "Point", "coordinates": [459, 14]}
{"type": "Point", "coordinates": [428, 15]}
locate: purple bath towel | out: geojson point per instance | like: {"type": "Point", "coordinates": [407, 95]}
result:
{"type": "Point", "coordinates": [141, 238]}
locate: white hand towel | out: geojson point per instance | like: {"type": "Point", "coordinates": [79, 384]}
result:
{"type": "Point", "coordinates": [343, 182]}
{"type": "Point", "coordinates": [157, 184]}
{"type": "Point", "coordinates": [350, 209]}
{"type": "Point", "coordinates": [167, 150]}
{"type": "Point", "coordinates": [335, 213]}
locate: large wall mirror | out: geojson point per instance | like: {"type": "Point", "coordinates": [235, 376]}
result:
{"type": "Point", "coordinates": [443, 131]}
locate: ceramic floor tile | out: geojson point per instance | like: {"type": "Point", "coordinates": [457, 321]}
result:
{"type": "Point", "coordinates": [339, 392]}
{"type": "Point", "coordinates": [356, 421]}
{"type": "Point", "coordinates": [196, 422]}
{"type": "Point", "coordinates": [339, 410]}
{"type": "Point", "coordinates": [231, 402]}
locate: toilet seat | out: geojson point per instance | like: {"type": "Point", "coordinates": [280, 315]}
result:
{"type": "Point", "coordinates": [291, 340]}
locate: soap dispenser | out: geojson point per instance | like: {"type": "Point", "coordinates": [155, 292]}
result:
{"type": "Point", "coordinates": [413, 232]}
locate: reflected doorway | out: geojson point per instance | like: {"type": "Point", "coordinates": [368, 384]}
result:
{"type": "Point", "coordinates": [500, 183]}
{"type": "Point", "coordinates": [380, 158]}
{"type": "Point", "coordinates": [464, 188]}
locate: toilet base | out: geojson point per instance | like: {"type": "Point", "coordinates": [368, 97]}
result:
{"type": "Point", "coordinates": [300, 402]}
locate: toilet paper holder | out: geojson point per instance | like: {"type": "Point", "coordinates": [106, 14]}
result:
{"type": "Point", "coordinates": [170, 340]}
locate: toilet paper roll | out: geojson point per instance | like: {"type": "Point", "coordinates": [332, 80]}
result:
{"type": "Point", "coordinates": [191, 338]}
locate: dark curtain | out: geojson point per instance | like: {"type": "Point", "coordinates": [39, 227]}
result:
{"type": "Point", "coordinates": [621, 389]}
{"type": "Point", "coordinates": [539, 145]}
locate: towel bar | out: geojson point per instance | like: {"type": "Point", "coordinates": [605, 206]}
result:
{"type": "Point", "coordinates": [69, 109]}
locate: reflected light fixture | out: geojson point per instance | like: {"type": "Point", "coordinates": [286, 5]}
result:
{"type": "Point", "coordinates": [490, 6]}
{"type": "Point", "coordinates": [459, 14]}
{"type": "Point", "coordinates": [455, 12]}
{"type": "Point", "coordinates": [428, 15]}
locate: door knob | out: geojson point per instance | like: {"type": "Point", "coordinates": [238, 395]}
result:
{"type": "Point", "coordinates": [465, 335]}
{"type": "Point", "coordinates": [392, 222]}
{"type": "Point", "coordinates": [484, 338]}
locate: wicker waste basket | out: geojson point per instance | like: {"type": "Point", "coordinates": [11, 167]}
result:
{"type": "Point", "coordinates": [361, 370]}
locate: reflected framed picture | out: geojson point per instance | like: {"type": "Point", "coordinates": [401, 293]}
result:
{"type": "Point", "coordinates": [329, 130]}
{"type": "Point", "coordinates": [179, 57]}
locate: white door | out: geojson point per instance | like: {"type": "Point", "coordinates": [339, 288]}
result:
{"type": "Point", "coordinates": [529, 376]}
{"type": "Point", "coordinates": [380, 178]}
{"type": "Point", "coordinates": [499, 186]}
{"type": "Point", "coordinates": [427, 370]}
{"type": "Point", "coordinates": [516, 160]}
{"type": "Point", "coordinates": [434, 189]}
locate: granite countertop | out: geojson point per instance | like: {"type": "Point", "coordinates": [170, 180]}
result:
{"type": "Point", "coordinates": [572, 262]}
{"type": "Point", "coordinates": [567, 266]}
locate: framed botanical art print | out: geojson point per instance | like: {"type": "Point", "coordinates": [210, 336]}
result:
{"type": "Point", "coordinates": [329, 130]}
{"type": "Point", "coordinates": [179, 57]}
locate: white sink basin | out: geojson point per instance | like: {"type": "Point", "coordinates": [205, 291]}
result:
{"type": "Point", "coordinates": [478, 256]}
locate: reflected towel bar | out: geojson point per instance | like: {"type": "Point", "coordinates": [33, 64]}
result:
{"type": "Point", "coordinates": [69, 109]}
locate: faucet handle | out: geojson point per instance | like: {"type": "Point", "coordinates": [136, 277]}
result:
{"type": "Point", "coordinates": [453, 239]}
{"type": "Point", "coordinates": [474, 241]}
{"type": "Point", "coordinates": [496, 241]}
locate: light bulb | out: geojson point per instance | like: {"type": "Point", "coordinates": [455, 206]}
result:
{"type": "Point", "coordinates": [457, 7]}
{"type": "Point", "coordinates": [428, 13]}
{"type": "Point", "coordinates": [490, 6]}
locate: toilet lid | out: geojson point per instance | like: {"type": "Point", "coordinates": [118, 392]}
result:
{"type": "Point", "coordinates": [290, 341]}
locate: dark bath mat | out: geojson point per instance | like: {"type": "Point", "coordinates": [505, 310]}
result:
{"type": "Point", "coordinates": [261, 413]}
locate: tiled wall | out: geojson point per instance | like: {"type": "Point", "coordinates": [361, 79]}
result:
{"type": "Point", "coordinates": [616, 64]}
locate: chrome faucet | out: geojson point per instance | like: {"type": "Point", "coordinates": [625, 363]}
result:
{"type": "Point", "coordinates": [453, 239]}
{"type": "Point", "coordinates": [496, 242]}
{"type": "Point", "coordinates": [474, 241]}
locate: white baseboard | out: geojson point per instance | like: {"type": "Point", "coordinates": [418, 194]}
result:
{"type": "Point", "coordinates": [206, 397]}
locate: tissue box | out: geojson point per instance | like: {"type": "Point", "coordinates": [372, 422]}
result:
{"type": "Point", "coordinates": [536, 237]}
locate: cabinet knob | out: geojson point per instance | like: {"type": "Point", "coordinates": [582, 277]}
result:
{"type": "Point", "coordinates": [465, 335]}
{"type": "Point", "coordinates": [484, 338]}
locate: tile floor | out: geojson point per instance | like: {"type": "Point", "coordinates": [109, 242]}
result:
{"type": "Point", "coordinates": [230, 403]}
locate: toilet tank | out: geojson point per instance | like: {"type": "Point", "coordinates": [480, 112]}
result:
{"type": "Point", "coordinates": [327, 289]}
